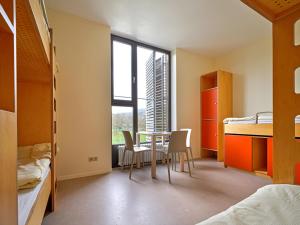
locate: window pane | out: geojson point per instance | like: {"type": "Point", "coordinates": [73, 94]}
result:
{"type": "Point", "coordinates": [145, 88]}
{"type": "Point", "coordinates": [122, 119]}
{"type": "Point", "coordinates": [153, 90]}
{"type": "Point", "coordinates": [161, 91]}
{"type": "Point", "coordinates": [122, 71]}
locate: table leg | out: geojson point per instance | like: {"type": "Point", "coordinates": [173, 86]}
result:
{"type": "Point", "coordinates": [153, 164]}
{"type": "Point", "coordinates": [138, 156]}
{"type": "Point", "coordinates": [137, 139]}
{"type": "Point", "coordinates": [181, 162]}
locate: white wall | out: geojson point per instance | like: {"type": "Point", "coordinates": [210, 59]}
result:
{"type": "Point", "coordinates": [84, 95]}
{"type": "Point", "coordinates": [252, 76]}
{"type": "Point", "coordinates": [189, 68]}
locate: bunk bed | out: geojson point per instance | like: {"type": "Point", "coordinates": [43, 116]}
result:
{"type": "Point", "coordinates": [260, 124]}
{"type": "Point", "coordinates": [27, 113]}
{"type": "Point", "coordinates": [36, 112]}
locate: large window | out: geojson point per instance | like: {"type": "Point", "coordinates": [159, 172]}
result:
{"type": "Point", "coordinates": [140, 88]}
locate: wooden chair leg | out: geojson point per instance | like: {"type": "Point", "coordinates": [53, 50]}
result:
{"type": "Point", "coordinates": [192, 157]}
{"type": "Point", "coordinates": [175, 161]}
{"type": "Point", "coordinates": [123, 159]}
{"type": "Point", "coordinates": [168, 162]}
{"type": "Point", "coordinates": [172, 160]}
{"type": "Point", "coordinates": [131, 166]}
{"type": "Point", "coordinates": [188, 161]}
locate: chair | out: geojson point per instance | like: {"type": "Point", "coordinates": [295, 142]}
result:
{"type": "Point", "coordinates": [188, 143]}
{"type": "Point", "coordinates": [177, 144]}
{"type": "Point", "coordinates": [188, 146]}
{"type": "Point", "coordinates": [134, 149]}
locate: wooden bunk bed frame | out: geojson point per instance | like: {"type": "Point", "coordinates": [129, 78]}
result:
{"type": "Point", "coordinates": [286, 103]}
{"type": "Point", "coordinates": [36, 94]}
{"type": "Point", "coordinates": [264, 130]}
{"type": "Point", "coordinates": [27, 101]}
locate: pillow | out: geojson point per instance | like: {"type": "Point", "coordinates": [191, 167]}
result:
{"type": "Point", "coordinates": [41, 151]}
{"type": "Point", "coordinates": [43, 147]}
{"type": "Point", "coordinates": [24, 152]}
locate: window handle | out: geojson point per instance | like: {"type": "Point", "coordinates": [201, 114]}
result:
{"type": "Point", "coordinates": [133, 79]}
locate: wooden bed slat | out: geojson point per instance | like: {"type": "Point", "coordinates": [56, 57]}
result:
{"type": "Point", "coordinates": [33, 52]}
{"type": "Point", "coordinates": [273, 9]}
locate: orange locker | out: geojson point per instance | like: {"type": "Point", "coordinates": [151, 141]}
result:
{"type": "Point", "coordinates": [297, 174]}
{"type": "Point", "coordinates": [238, 152]}
{"type": "Point", "coordinates": [209, 134]}
{"type": "Point", "coordinates": [270, 157]}
{"type": "Point", "coordinates": [209, 100]}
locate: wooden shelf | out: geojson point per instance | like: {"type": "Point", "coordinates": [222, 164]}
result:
{"type": "Point", "coordinates": [216, 105]}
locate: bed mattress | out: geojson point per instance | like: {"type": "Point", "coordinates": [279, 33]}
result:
{"type": "Point", "coordinates": [260, 119]}
{"type": "Point", "coordinates": [27, 198]}
{"type": "Point", "coordinates": [272, 204]}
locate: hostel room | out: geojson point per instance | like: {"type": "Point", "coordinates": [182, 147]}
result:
{"type": "Point", "coordinates": [149, 112]}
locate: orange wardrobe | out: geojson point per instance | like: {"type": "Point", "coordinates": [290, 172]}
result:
{"type": "Point", "coordinates": [216, 105]}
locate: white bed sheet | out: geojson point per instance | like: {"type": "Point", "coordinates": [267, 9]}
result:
{"type": "Point", "coordinates": [27, 198]}
{"type": "Point", "coordinates": [274, 204]}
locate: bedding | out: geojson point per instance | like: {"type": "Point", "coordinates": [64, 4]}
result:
{"type": "Point", "coordinates": [273, 204]}
{"type": "Point", "coordinates": [241, 120]}
{"type": "Point", "coordinates": [33, 161]}
{"type": "Point", "coordinates": [27, 198]}
{"type": "Point", "coordinates": [259, 118]}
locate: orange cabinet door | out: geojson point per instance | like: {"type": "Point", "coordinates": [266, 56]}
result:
{"type": "Point", "coordinates": [238, 152]}
{"type": "Point", "coordinates": [270, 157]}
{"type": "Point", "coordinates": [209, 134]}
{"type": "Point", "coordinates": [209, 103]}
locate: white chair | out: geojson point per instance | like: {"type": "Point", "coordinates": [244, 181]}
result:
{"type": "Point", "coordinates": [177, 145]}
{"type": "Point", "coordinates": [188, 146]}
{"type": "Point", "coordinates": [134, 149]}
{"type": "Point", "coordinates": [188, 143]}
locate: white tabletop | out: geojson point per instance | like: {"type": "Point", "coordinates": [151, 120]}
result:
{"type": "Point", "coordinates": [154, 133]}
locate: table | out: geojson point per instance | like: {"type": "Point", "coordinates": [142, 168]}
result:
{"type": "Point", "coordinates": [153, 136]}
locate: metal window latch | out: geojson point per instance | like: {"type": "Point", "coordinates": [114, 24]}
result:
{"type": "Point", "coordinates": [133, 79]}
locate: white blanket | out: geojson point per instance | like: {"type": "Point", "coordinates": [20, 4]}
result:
{"type": "Point", "coordinates": [240, 120]}
{"type": "Point", "coordinates": [271, 205]}
{"type": "Point", "coordinates": [33, 162]}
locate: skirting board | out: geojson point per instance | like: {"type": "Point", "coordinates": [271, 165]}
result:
{"type": "Point", "coordinates": [83, 174]}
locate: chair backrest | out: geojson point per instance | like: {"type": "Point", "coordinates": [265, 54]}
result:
{"type": "Point", "coordinates": [177, 141]}
{"type": "Point", "coordinates": [188, 137]}
{"type": "Point", "coordinates": [128, 140]}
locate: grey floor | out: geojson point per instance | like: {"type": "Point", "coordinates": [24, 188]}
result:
{"type": "Point", "coordinates": [113, 199]}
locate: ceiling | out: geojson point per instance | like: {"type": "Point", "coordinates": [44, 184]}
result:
{"type": "Point", "coordinates": [209, 27]}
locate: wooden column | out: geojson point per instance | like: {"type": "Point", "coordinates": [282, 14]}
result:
{"type": "Point", "coordinates": [286, 103]}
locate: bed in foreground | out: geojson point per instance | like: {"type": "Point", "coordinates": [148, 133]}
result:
{"type": "Point", "coordinates": [272, 204]}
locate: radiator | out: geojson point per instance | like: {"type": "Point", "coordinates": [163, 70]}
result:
{"type": "Point", "coordinates": [128, 155]}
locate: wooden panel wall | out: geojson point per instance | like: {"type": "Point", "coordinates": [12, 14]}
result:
{"type": "Point", "coordinates": [34, 113]}
{"type": "Point", "coordinates": [7, 89]}
{"type": "Point", "coordinates": [286, 104]}
{"type": "Point", "coordinates": [8, 173]}
{"type": "Point", "coordinates": [8, 116]}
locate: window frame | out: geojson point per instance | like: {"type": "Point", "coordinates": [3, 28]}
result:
{"type": "Point", "coordinates": [134, 79]}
